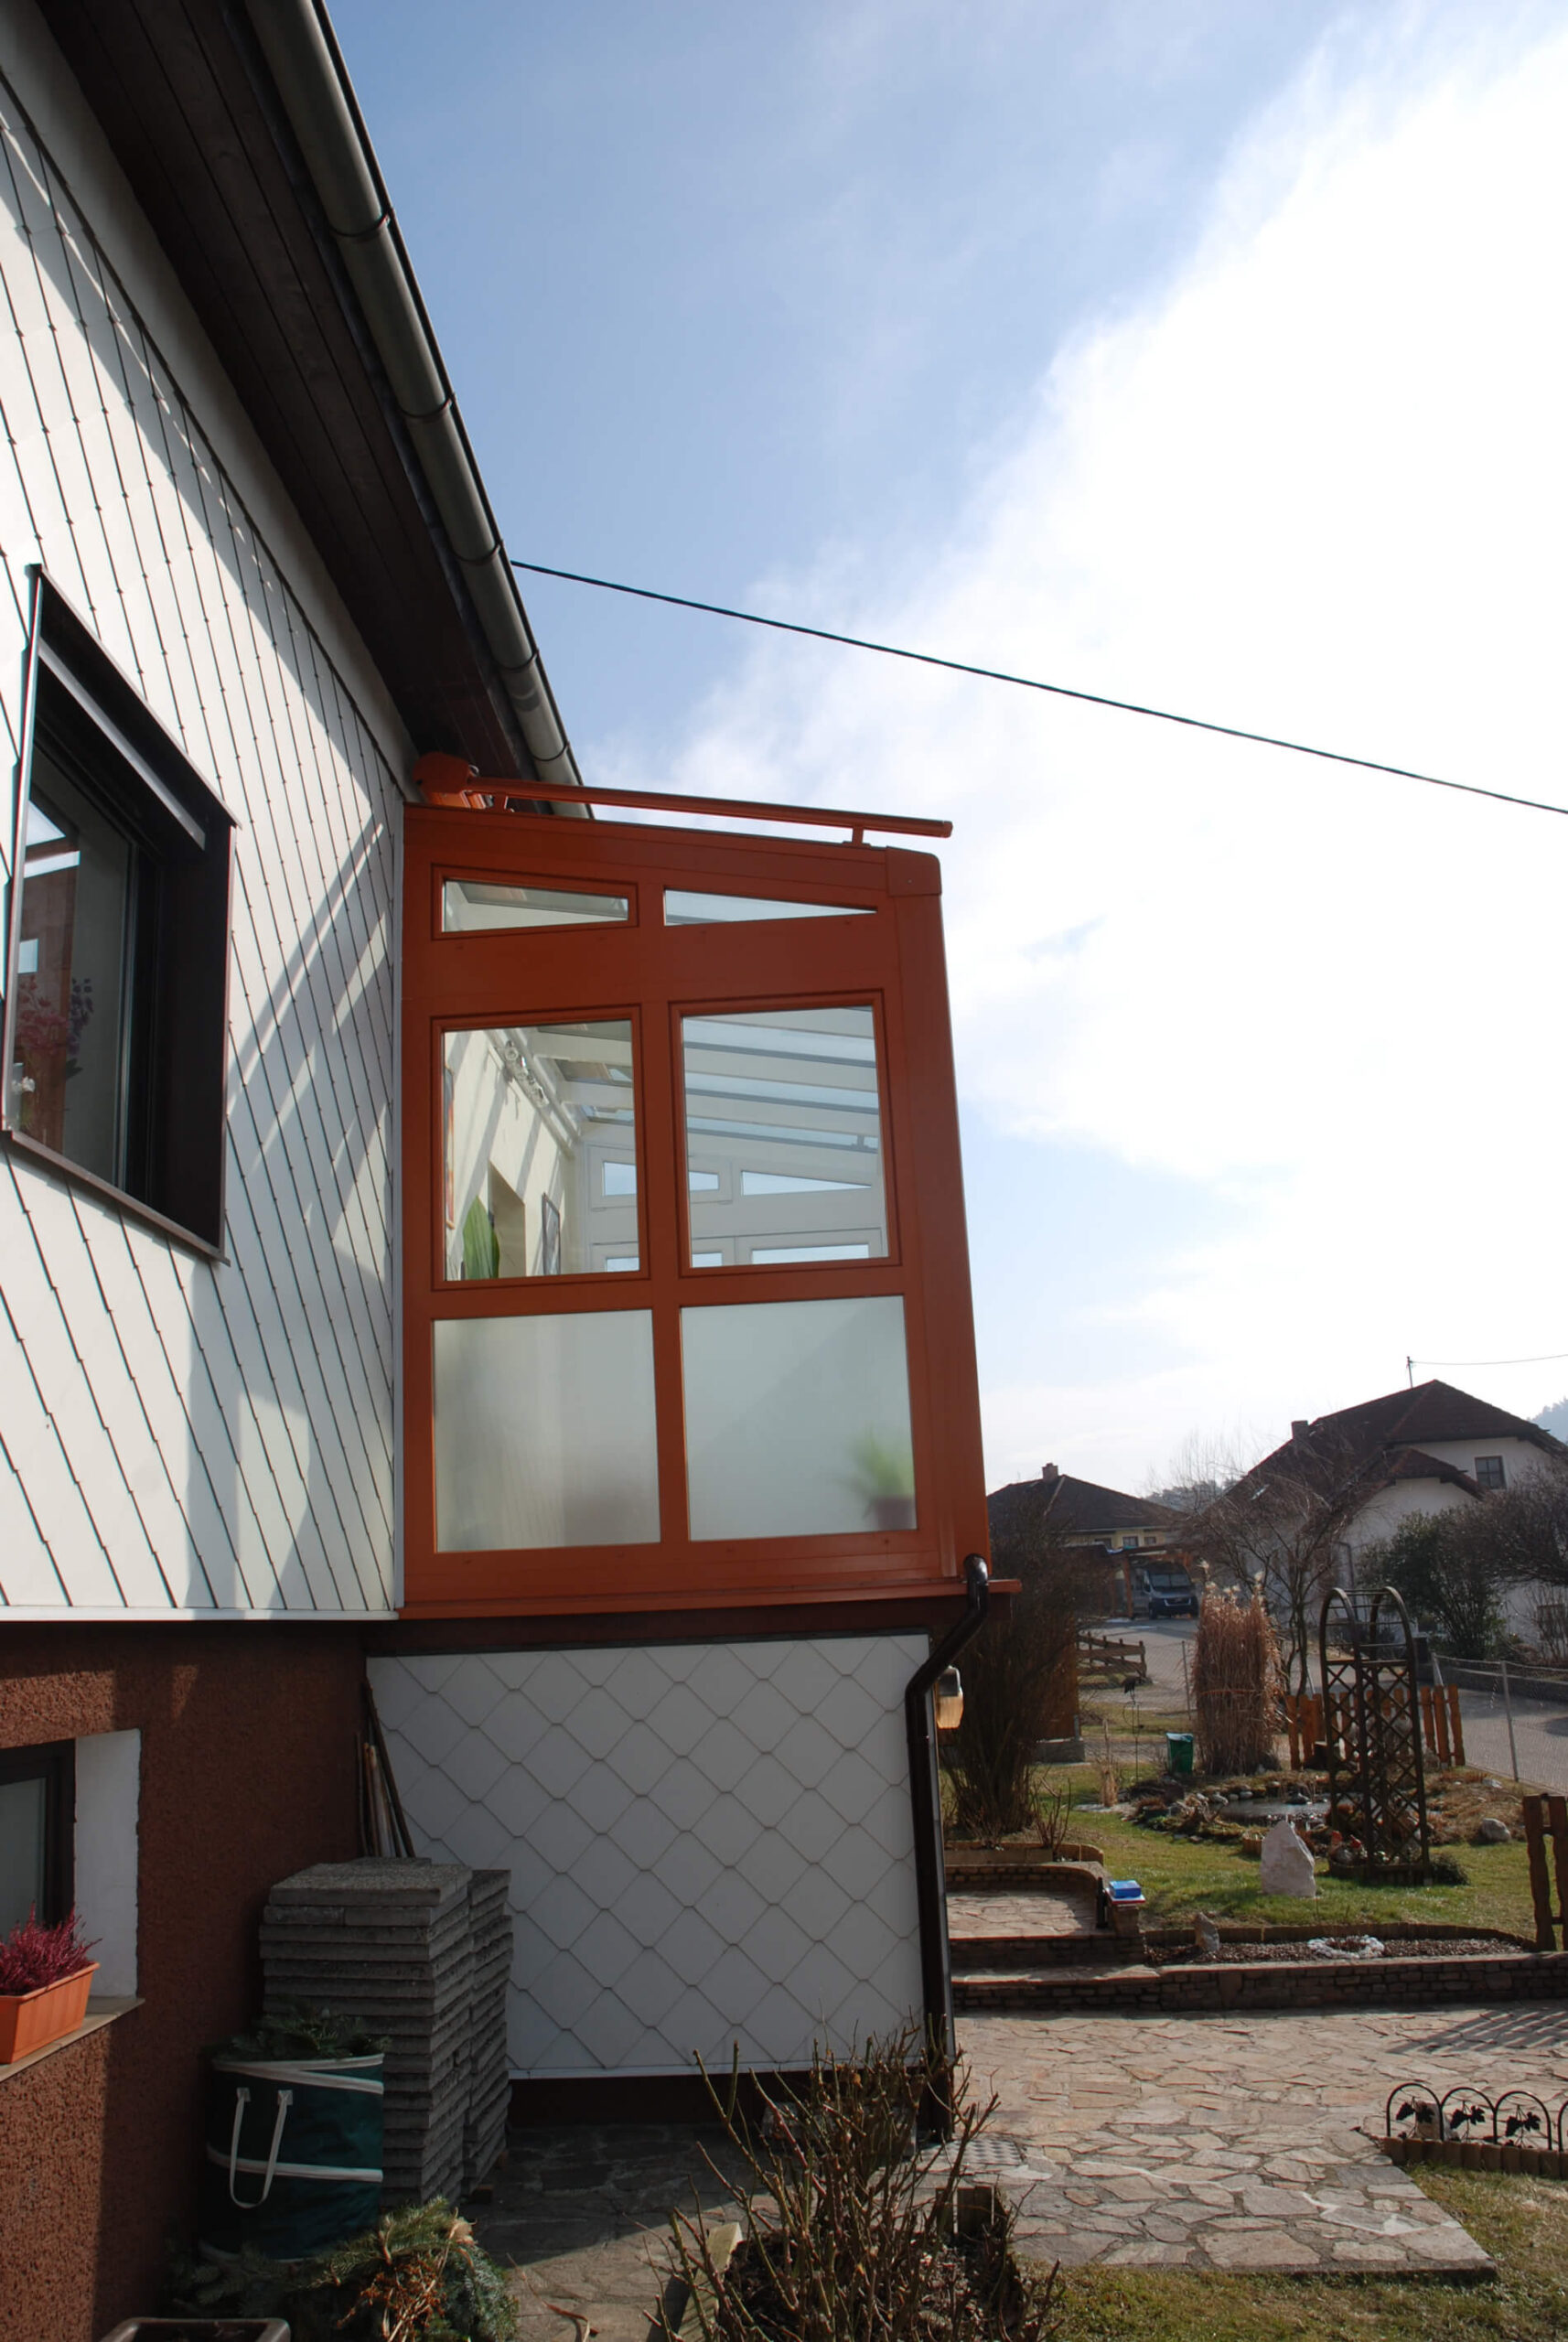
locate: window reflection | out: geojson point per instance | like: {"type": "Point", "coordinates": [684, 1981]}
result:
{"type": "Point", "coordinates": [472, 905]}
{"type": "Point", "coordinates": [540, 1151]}
{"type": "Point", "coordinates": [71, 1068]}
{"type": "Point", "coordinates": [784, 1137]}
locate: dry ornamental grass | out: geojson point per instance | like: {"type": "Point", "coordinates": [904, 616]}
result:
{"type": "Point", "coordinates": [1235, 1685]}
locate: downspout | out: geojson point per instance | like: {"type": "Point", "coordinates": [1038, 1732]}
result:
{"type": "Point", "coordinates": [924, 1798]}
{"type": "Point", "coordinates": [313, 84]}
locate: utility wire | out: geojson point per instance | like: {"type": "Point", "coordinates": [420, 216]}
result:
{"type": "Point", "coordinates": [1032, 683]}
{"type": "Point", "coordinates": [1547, 1357]}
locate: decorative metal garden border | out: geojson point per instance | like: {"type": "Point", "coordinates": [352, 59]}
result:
{"type": "Point", "coordinates": [1516, 2118]}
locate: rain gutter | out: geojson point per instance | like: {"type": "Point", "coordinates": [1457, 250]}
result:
{"type": "Point", "coordinates": [306, 64]}
{"type": "Point", "coordinates": [924, 1798]}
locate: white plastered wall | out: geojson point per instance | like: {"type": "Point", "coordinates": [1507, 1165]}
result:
{"type": "Point", "coordinates": [711, 1844]}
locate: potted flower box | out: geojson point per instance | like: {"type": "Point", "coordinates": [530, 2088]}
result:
{"type": "Point", "coordinates": [45, 1978]}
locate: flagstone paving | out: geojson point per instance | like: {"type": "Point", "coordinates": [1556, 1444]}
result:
{"type": "Point", "coordinates": [1216, 2142]}
{"type": "Point", "coordinates": [1230, 2141]}
{"type": "Point", "coordinates": [1019, 1911]}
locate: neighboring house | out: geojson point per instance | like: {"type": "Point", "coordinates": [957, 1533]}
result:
{"type": "Point", "coordinates": [515, 1261]}
{"type": "Point", "coordinates": [1133, 1533]}
{"type": "Point", "coordinates": [1425, 1450]}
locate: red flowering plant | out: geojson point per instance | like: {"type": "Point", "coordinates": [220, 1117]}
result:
{"type": "Point", "coordinates": [32, 1956]}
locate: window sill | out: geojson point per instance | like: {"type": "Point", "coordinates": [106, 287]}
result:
{"type": "Point", "coordinates": [101, 2010]}
{"type": "Point", "coordinates": [132, 1206]}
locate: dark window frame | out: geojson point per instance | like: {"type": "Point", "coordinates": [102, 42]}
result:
{"type": "Point", "coordinates": [1484, 1472]}
{"type": "Point", "coordinates": [90, 717]}
{"type": "Point", "coordinates": [54, 1763]}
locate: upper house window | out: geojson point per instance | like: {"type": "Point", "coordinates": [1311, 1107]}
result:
{"type": "Point", "coordinates": [1489, 1471]}
{"type": "Point", "coordinates": [117, 936]}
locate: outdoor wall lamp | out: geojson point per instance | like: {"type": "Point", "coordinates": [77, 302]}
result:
{"type": "Point", "coordinates": [948, 1690]}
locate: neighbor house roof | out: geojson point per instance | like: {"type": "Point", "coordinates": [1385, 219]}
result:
{"type": "Point", "coordinates": [1386, 1439]}
{"type": "Point", "coordinates": [1412, 1464]}
{"type": "Point", "coordinates": [1059, 1504]}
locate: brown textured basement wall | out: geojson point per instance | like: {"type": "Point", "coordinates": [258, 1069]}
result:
{"type": "Point", "coordinates": [248, 1757]}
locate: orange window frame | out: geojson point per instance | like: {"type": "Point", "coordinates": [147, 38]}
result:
{"type": "Point", "coordinates": [655, 974]}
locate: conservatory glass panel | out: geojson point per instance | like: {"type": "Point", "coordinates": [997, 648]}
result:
{"type": "Point", "coordinates": [684, 908]}
{"type": "Point", "coordinates": [797, 1418]}
{"type": "Point", "coordinates": [545, 1431]}
{"type": "Point", "coordinates": [471, 906]}
{"type": "Point", "coordinates": [540, 1143]}
{"type": "Point", "coordinates": [783, 1119]}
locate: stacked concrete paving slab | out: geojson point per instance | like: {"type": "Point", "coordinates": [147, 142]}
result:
{"type": "Point", "coordinates": [392, 1943]}
{"type": "Point", "coordinates": [489, 2069]}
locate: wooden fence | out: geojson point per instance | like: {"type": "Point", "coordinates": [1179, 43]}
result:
{"type": "Point", "coordinates": [1112, 1651]}
{"type": "Point", "coordinates": [1548, 1817]}
{"type": "Point", "coordinates": [1442, 1727]}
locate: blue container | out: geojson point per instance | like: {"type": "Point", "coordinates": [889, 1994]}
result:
{"type": "Point", "coordinates": [294, 2153]}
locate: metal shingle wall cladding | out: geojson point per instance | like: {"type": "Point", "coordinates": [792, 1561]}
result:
{"type": "Point", "coordinates": [710, 1844]}
{"type": "Point", "coordinates": [174, 1436]}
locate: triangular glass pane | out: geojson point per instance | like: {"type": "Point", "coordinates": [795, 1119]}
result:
{"type": "Point", "coordinates": [682, 908]}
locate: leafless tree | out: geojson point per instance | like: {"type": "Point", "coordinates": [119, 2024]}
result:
{"type": "Point", "coordinates": [1283, 1524]}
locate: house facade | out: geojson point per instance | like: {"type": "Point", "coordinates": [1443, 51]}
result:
{"type": "Point", "coordinates": [511, 1261]}
{"type": "Point", "coordinates": [1432, 1448]}
{"type": "Point", "coordinates": [1062, 1513]}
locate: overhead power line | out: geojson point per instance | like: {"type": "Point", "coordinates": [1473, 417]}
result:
{"type": "Point", "coordinates": [1034, 684]}
{"type": "Point", "coordinates": [1546, 1357]}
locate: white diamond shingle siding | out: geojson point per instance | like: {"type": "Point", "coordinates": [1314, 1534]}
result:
{"type": "Point", "coordinates": [710, 1843]}
{"type": "Point", "coordinates": [176, 1436]}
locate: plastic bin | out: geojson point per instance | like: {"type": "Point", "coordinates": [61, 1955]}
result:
{"type": "Point", "coordinates": [1178, 1751]}
{"type": "Point", "coordinates": [293, 2154]}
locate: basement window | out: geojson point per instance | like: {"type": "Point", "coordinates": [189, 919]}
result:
{"type": "Point", "coordinates": [118, 943]}
{"type": "Point", "coordinates": [38, 1804]}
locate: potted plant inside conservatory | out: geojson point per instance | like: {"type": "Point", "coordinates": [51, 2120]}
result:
{"type": "Point", "coordinates": [45, 1978]}
{"type": "Point", "coordinates": [884, 1477]}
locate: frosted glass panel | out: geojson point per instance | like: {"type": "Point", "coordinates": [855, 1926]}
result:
{"type": "Point", "coordinates": [797, 1418]}
{"type": "Point", "coordinates": [784, 1137]}
{"type": "Point", "coordinates": [470, 905]}
{"type": "Point", "coordinates": [540, 1134]}
{"type": "Point", "coordinates": [545, 1432]}
{"type": "Point", "coordinates": [682, 908]}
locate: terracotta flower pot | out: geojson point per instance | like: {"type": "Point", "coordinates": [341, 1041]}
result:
{"type": "Point", "coordinates": [31, 2021]}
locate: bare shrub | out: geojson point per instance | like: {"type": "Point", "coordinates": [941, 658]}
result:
{"type": "Point", "coordinates": [852, 2223]}
{"type": "Point", "coordinates": [1020, 1671]}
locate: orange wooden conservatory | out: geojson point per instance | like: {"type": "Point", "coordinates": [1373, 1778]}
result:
{"type": "Point", "coordinates": [693, 1503]}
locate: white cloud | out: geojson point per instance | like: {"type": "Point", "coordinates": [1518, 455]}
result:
{"type": "Point", "coordinates": [1317, 486]}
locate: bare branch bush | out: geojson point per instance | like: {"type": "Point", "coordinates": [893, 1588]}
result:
{"type": "Point", "coordinates": [1012, 1676]}
{"type": "Point", "coordinates": [852, 2223]}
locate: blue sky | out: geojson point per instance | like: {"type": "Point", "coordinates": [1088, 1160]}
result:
{"type": "Point", "coordinates": [1194, 352]}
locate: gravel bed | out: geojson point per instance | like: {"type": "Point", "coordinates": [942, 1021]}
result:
{"type": "Point", "coordinates": [1249, 1955]}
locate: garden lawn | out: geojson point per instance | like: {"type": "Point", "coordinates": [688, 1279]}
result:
{"type": "Point", "coordinates": [1181, 1875]}
{"type": "Point", "coordinates": [1523, 2223]}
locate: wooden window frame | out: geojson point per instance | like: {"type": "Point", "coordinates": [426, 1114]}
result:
{"type": "Point", "coordinates": [656, 975]}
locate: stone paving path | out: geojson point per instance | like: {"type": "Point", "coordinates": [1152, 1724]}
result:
{"type": "Point", "coordinates": [580, 2215]}
{"type": "Point", "coordinates": [1224, 2142]}
{"type": "Point", "coordinates": [1028, 1911]}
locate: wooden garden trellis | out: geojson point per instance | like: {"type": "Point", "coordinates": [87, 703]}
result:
{"type": "Point", "coordinates": [1547, 1817]}
{"type": "Point", "coordinates": [1373, 1733]}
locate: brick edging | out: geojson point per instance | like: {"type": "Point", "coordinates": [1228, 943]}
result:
{"type": "Point", "coordinates": [1352, 1983]}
